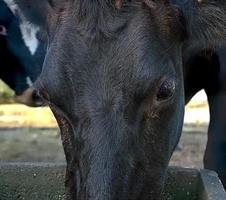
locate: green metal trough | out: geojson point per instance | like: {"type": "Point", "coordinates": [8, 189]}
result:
{"type": "Point", "coordinates": [45, 181]}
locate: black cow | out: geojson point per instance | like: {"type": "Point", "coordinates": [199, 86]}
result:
{"type": "Point", "coordinates": [207, 70]}
{"type": "Point", "coordinates": [113, 77]}
{"type": "Point", "coordinates": [17, 64]}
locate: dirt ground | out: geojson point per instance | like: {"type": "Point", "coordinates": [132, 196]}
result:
{"type": "Point", "coordinates": [32, 135]}
{"type": "Point", "coordinates": [38, 144]}
{"type": "Point", "coordinates": [190, 150]}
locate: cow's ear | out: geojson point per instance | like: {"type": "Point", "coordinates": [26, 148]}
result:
{"type": "Point", "coordinates": [205, 22]}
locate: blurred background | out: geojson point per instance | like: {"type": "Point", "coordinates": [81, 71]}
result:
{"type": "Point", "coordinates": [31, 134]}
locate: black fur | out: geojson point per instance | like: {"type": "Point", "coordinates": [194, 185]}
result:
{"type": "Point", "coordinates": [103, 71]}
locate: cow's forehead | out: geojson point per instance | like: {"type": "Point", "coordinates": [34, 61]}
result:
{"type": "Point", "coordinates": [29, 31]}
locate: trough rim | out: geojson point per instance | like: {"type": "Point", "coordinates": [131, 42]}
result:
{"type": "Point", "coordinates": [206, 183]}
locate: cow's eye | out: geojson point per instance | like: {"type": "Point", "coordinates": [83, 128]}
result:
{"type": "Point", "coordinates": [166, 90]}
{"type": "Point", "coordinates": [3, 30]}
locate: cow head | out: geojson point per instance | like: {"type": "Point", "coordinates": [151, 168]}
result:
{"type": "Point", "coordinates": [113, 78]}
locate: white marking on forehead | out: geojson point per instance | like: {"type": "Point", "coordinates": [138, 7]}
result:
{"type": "Point", "coordinates": [29, 32]}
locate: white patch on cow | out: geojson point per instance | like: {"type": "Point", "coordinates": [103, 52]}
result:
{"type": "Point", "coordinates": [11, 5]}
{"type": "Point", "coordinates": [29, 32]}
{"type": "Point", "coordinates": [29, 82]}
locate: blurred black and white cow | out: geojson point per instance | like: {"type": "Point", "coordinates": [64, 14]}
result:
{"type": "Point", "coordinates": [21, 53]}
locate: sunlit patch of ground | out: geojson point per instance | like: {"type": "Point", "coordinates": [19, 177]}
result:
{"type": "Point", "coordinates": [197, 111]}
{"type": "Point", "coordinates": [16, 115]}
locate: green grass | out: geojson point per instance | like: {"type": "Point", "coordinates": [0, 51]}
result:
{"type": "Point", "coordinates": [6, 94]}
{"type": "Point", "coordinates": [5, 91]}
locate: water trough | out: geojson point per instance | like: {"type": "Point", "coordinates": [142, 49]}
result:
{"type": "Point", "coordinates": [45, 181]}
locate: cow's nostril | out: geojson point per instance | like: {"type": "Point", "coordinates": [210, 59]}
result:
{"type": "Point", "coordinates": [166, 90]}
{"type": "Point", "coordinates": [3, 30]}
{"type": "Point", "coordinates": [37, 99]}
